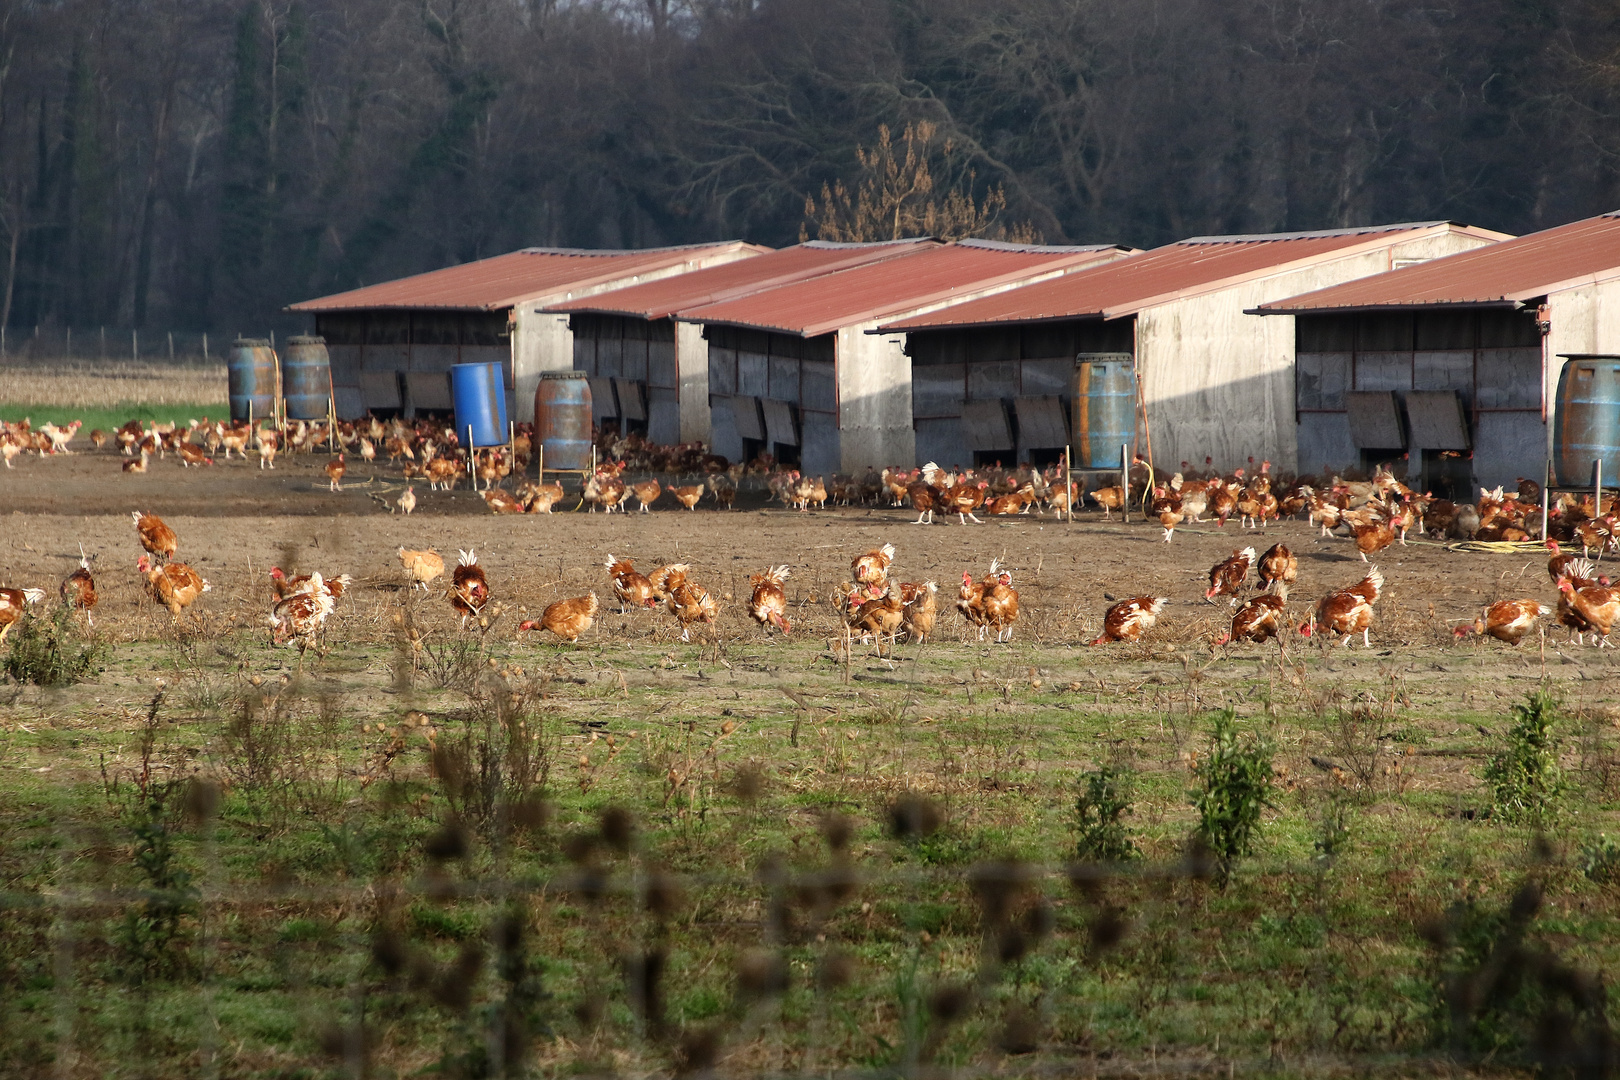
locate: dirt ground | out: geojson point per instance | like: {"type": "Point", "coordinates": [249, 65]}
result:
{"type": "Point", "coordinates": [235, 519]}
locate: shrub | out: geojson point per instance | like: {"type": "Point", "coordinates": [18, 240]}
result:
{"type": "Point", "coordinates": [1600, 860]}
{"type": "Point", "coordinates": [1105, 798]}
{"type": "Point", "coordinates": [1524, 777]}
{"type": "Point", "coordinates": [46, 650]}
{"type": "Point", "coordinates": [1234, 781]}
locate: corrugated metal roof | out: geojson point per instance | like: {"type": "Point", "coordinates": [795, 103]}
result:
{"type": "Point", "coordinates": [894, 286]}
{"type": "Point", "coordinates": [1186, 268]}
{"type": "Point", "coordinates": [661, 299]}
{"type": "Point", "coordinates": [531, 274]}
{"type": "Point", "coordinates": [1512, 271]}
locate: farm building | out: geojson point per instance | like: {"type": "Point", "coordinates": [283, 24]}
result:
{"type": "Point", "coordinates": [1211, 381]}
{"type": "Point", "coordinates": [1454, 362]}
{"type": "Point", "coordinates": [795, 370]}
{"type": "Point", "coordinates": [651, 373]}
{"type": "Point", "coordinates": [392, 344]}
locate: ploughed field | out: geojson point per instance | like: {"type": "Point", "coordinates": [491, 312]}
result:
{"type": "Point", "coordinates": [423, 850]}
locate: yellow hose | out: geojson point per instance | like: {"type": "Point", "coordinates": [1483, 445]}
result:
{"type": "Point", "coordinates": [1498, 547]}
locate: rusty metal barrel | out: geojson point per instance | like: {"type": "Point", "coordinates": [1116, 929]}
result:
{"type": "Point", "coordinates": [250, 369]}
{"type": "Point", "coordinates": [1586, 420]}
{"type": "Point", "coordinates": [562, 419]}
{"type": "Point", "coordinates": [306, 378]}
{"type": "Point", "coordinates": [1104, 408]}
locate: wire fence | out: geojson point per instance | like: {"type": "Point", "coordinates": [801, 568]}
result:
{"type": "Point", "coordinates": [108, 343]}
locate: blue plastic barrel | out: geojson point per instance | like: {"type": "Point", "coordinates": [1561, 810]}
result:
{"type": "Point", "coordinates": [1586, 421]}
{"type": "Point", "coordinates": [562, 419]}
{"type": "Point", "coordinates": [306, 378]}
{"type": "Point", "coordinates": [1104, 408]}
{"type": "Point", "coordinates": [250, 368]}
{"type": "Point", "coordinates": [479, 391]}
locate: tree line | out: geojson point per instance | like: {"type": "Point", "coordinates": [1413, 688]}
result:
{"type": "Point", "coordinates": [201, 163]}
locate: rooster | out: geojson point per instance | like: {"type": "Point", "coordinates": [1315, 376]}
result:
{"type": "Point", "coordinates": [922, 608]}
{"type": "Point", "coordinates": [1347, 612]}
{"type": "Point", "coordinates": [873, 567]}
{"type": "Point", "coordinates": [1128, 620]}
{"type": "Point", "coordinates": [79, 588]}
{"type": "Point", "coordinates": [174, 585]}
{"type": "Point", "coordinates": [567, 619]}
{"type": "Point", "coordinates": [1227, 577]}
{"type": "Point", "coordinates": [423, 566]}
{"type": "Point", "coordinates": [1000, 604]}
{"type": "Point", "coordinates": [13, 602]}
{"type": "Point", "coordinates": [469, 589]}
{"type": "Point", "coordinates": [299, 616]}
{"type": "Point", "coordinates": [647, 493]}
{"type": "Point", "coordinates": [629, 588]}
{"type": "Point", "coordinates": [1598, 605]}
{"type": "Point", "coordinates": [769, 603]}
{"type": "Point", "coordinates": [156, 537]}
{"type": "Point", "coordinates": [1259, 620]}
{"type": "Point", "coordinates": [1278, 569]}
{"type": "Point", "coordinates": [1558, 561]}
{"type": "Point", "coordinates": [688, 496]}
{"type": "Point", "coordinates": [1506, 620]}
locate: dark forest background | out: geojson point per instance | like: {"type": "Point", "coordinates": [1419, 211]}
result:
{"type": "Point", "coordinates": [193, 164]}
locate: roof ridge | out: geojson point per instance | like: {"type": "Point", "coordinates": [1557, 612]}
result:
{"type": "Point", "coordinates": [1359, 230]}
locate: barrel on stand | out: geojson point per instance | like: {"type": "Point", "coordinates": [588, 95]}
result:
{"type": "Point", "coordinates": [562, 419]}
{"type": "Point", "coordinates": [306, 378]}
{"type": "Point", "coordinates": [1586, 420]}
{"type": "Point", "coordinates": [479, 393]}
{"type": "Point", "coordinates": [250, 368]}
{"type": "Point", "coordinates": [1104, 408]}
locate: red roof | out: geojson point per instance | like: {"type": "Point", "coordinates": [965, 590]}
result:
{"type": "Point", "coordinates": [663, 298]}
{"type": "Point", "coordinates": [1580, 253]}
{"type": "Point", "coordinates": [894, 286]}
{"type": "Point", "coordinates": [531, 274]}
{"type": "Point", "coordinates": [1186, 268]}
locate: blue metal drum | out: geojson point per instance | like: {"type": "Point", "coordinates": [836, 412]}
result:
{"type": "Point", "coordinates": [562, 419]}
{"type": "Point", "coordinates": [479, 393]}
{"type": "Point", "coordinates": [306, 378]}
{"type": "Point", "coordinates": [250, 368]}
{"type": "Point", "coordinates": [1586, 421]}
{"type": "Point", "coordinates": [1104, 408]}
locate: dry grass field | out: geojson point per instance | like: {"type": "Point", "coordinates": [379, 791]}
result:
{"type": "Point", "coordinates": [426, 851]}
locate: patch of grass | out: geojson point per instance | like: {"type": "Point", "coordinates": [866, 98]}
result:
{"type": "Point", "coordinates": [114, 415]}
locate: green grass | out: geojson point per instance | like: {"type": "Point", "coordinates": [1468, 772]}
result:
{"type": "Point", "coordinates": [117, 416]}
{"type": "Point", "coordinates": [326, 894]}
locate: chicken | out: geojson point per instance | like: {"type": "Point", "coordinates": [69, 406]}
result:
{"type": "Point", "coordinates": [629, 588]}
{"type": "Point", "coordinates": [1278, 569]}
{"type": "Point", "coordinates": [723, 488]}
{"type": "Point", "coordinates": [970, 601]}
{"type": "Point", "coordinates": [1000, 604]}
{"type": "Point", "coordinates": [98, 438]}
{"type": "Point", "coordinates": [768, 604]}
{"type": "Point", "coordinates": [1110, 499]}
{"type": "Point", "coordinates": [688, 496]}
{"type": "Point", "coordinates": [79, 588]}
{"type": "Point", "coordinates": [1599, 605]}
{"type": "Point", "coordinates": [137, 465]}
{"type": "Point", "coordinates": [194, 455]}
{"type": "Point", "coordinates": [1227, 577]}
{"type": "Point", "coordinates": [301, 613]}
{"type": "Point", "coordinates": [1373, 538]}
{"type": "Point", "coordinates": [174, 585]}
{"type": "Point", "coordinates": [817, 493]}
{"type": "Point", "coordinates": [1347, 612]}
{"type": "Point", "coordinates": [266, 440]}
{"type": "Point", "coordinates": [877, 616]}
{"type": "Point", "coordinates": [13, 602]}
{"type": "Point", "coordinates": [1559, 561]}
{"type": "Point", "coordinates": [965, 498]}
{"type": "Point", "coordinates": [423, 566]}
{"type": "Point", "coordinates": [469, 589]}
{"type": "Point", "coordinates": [1259, 620]}
{"type": "Point", "coordinates": [688, 602]}
{"type": "Point", "coordinates": [500, 502]}
{"type": "Point", "coordinates": [406, 501]}
{"type": "Point", "coordinates": [922, 609]}
{"type": "Point", "coordinates": [873, 567]}
{"type": "Point", "coordinates": [647, 493]}
{"type": "Point", "coordinates": [1506, 620]}
{"type": "Point", "coordinates": [567, 619]}
{"type": "Point", "coordinates": [156, 537]}
{"type": "Point", "coordinates": [1167, 508]}
{"type": "Point", "coordinates": [1128, 620]}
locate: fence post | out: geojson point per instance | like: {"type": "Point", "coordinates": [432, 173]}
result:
{"type": "Point", "coordinates": [2, 340]}
{"type": "Point", "coordinates": [171, 346]}
{"type": "Point", "coordinates": [69, 347]}
{"type": "Point", "coordinates": [205, 345]}
{"type": "Point", "coordinates": [103, 343]}
{"type": "Point", "coordinates": [135, 345]}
